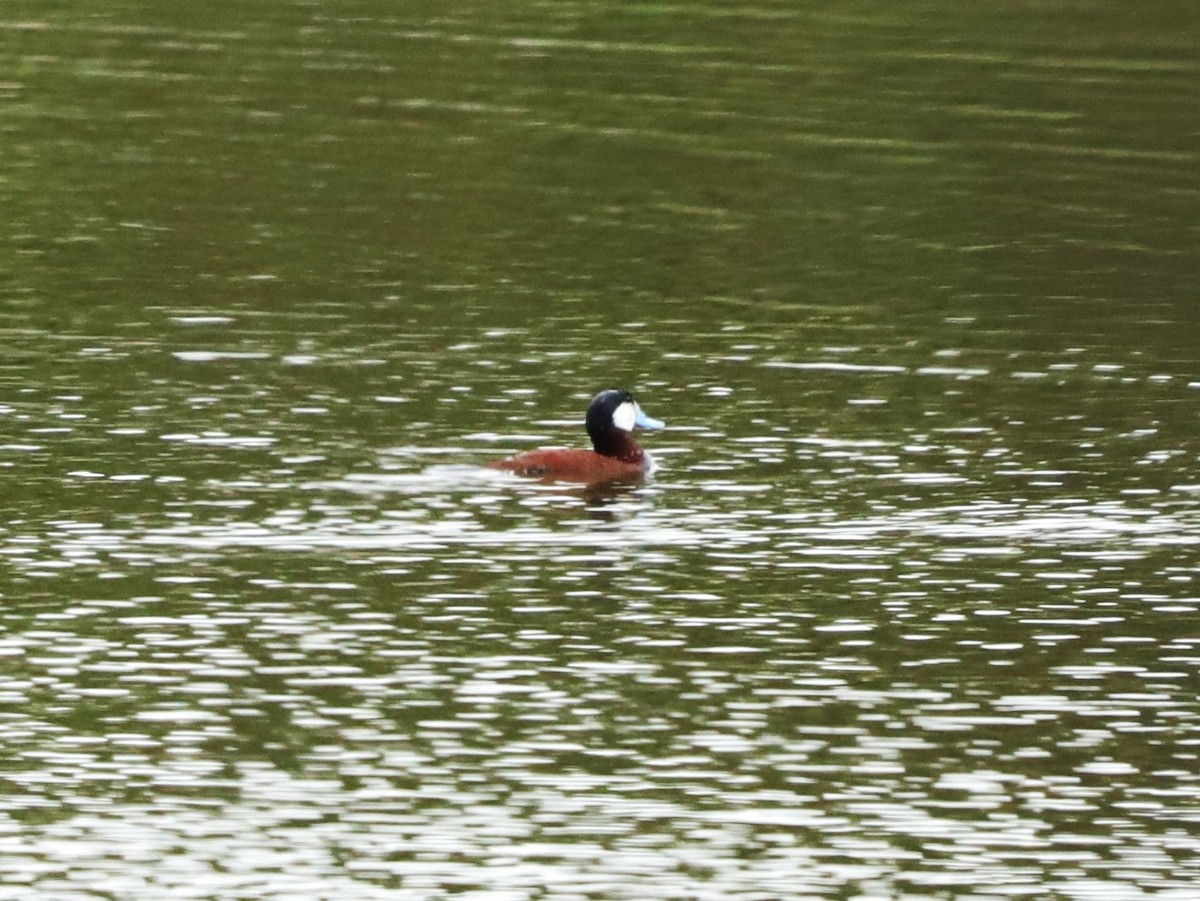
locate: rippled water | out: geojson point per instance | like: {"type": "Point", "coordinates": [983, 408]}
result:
{"type": "Point", "coordinates": [909, 607]}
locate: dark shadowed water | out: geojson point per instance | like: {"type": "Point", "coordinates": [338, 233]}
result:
{"type": "Point", "coordinates": [911, 606]}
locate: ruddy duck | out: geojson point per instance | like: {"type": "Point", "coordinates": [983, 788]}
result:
{"type": "Point", "coordinates": [616, 457]}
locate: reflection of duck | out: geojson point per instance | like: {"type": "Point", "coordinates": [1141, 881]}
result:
{"type": "Point", "coordinates": [611, 418]}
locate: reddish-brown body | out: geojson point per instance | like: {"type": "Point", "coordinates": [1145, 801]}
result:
{"type": "Point", "coordinates": [584, 466]}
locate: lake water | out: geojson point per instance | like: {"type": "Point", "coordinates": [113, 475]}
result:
{"type": "Point", "coordinates": [910, 607]}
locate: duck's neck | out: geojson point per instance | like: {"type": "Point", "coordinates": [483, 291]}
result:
{"type": "Point", "coordinates": [619, 445]}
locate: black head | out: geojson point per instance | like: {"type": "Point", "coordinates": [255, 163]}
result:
{"type": "Point", "coordinates": [612, 415]}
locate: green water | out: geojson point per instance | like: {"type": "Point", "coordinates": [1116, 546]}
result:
{"type": "Point", "coordinates": [908, 609]}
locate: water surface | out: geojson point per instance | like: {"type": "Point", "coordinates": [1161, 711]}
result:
{"type": "Point", "coordinates": [906, 611]}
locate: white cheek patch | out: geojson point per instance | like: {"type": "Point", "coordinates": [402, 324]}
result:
{"type": "Point", "coordinates": [624, 416]}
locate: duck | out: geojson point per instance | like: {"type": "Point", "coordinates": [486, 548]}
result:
{"type": "Point", "coordinates": [615, 456]}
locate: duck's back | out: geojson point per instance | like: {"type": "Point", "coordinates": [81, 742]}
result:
{"type": "Point", "coordinates": [572, 466]}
